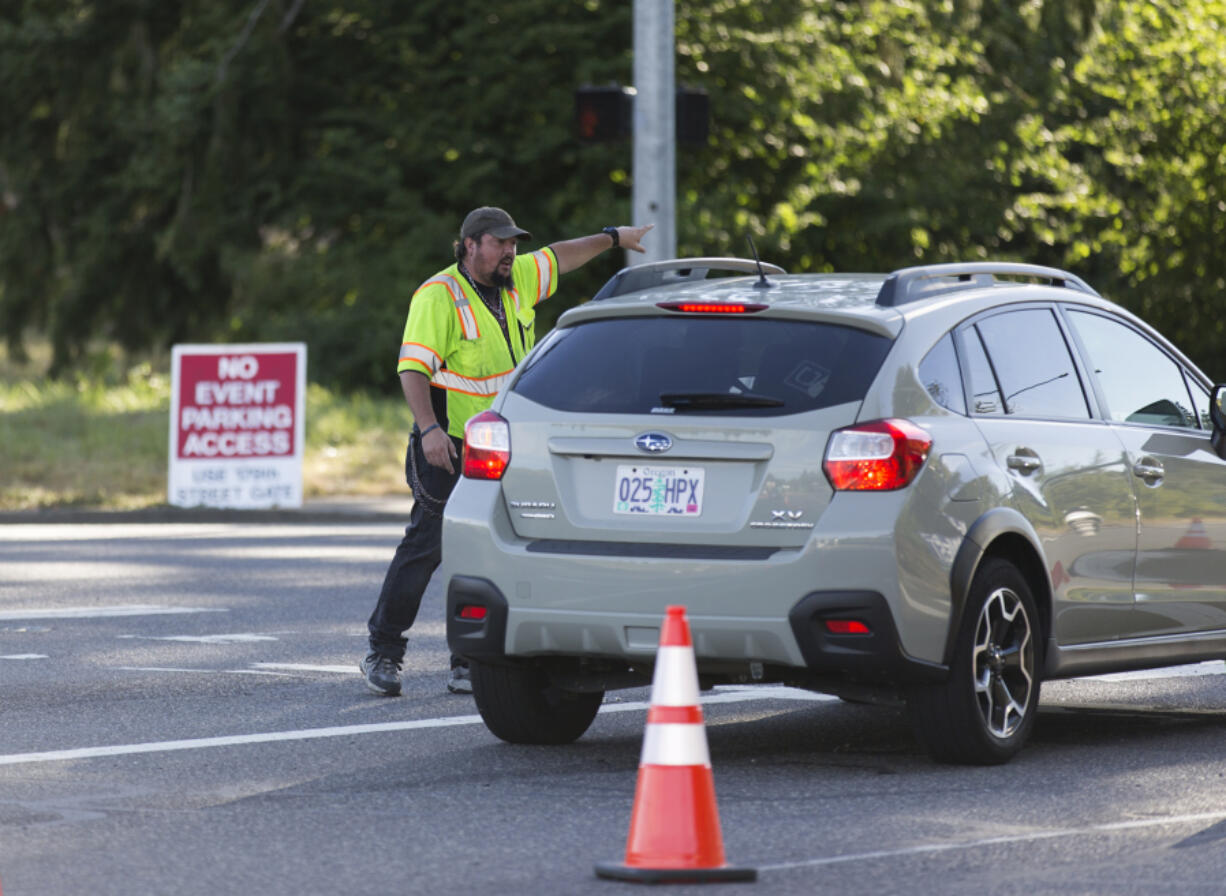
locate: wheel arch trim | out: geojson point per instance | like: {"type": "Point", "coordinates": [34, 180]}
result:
{"type": "Point", "coordinates": [1004, 532]}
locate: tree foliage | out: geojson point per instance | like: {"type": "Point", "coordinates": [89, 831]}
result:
{"type": "Point", "coordinates": [291, 170]}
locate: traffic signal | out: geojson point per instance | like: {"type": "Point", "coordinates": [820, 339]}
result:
{"type": "Point", "coordinates": [604, 113]}
{"type": "Point", "coordinates": [693, 115]}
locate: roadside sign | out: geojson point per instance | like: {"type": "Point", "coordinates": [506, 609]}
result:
{"type": "Point", "coordinates": [236, 425]}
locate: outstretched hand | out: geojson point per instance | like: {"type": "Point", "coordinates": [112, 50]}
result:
{"type": "Point", "coordinates": [630, 238]}
{"type": "Point", "coordinates": [575, 253]}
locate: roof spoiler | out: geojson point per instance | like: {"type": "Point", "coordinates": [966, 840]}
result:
{"type": "Point", "coordinates": [678, 270]}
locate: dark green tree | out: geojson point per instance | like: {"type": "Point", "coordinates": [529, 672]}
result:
{"type": "Point", "coordinates": [1151, 223]}
{"type": "Point", "coordinates": [291, 170]}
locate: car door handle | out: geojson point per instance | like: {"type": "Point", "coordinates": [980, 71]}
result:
{"type": "Point", "coordinates": [1149, 470]}
{"type": "Point", "coordinates": [1024, 463]}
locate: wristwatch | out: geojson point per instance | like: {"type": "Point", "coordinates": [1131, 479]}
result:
{"type": "Point", "coordinates": [612, 231]}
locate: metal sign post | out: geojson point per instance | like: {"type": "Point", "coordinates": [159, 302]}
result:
{"type": "Point", "coordinates": [655, 155]}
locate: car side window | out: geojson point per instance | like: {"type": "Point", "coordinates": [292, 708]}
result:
{"type": "Point", "coordinates": [1200, 403]}
{"type": "Point", "coordinates": [1033, 366]}
{"type": "Point", "coordinates": [985, 395]}
{"type": "Point", "coordinates": [941, 376]}
{"type": "Point", "coordinates": [1139, 381]}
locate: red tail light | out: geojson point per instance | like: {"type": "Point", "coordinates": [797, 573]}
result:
{"type": "Point", "coordinates": [880, 456]}
{"type": "Point", "coordinates": [487, 446]}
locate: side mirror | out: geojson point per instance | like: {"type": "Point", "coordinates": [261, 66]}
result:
{"type": "Point", "coordinates": [1218, 417]}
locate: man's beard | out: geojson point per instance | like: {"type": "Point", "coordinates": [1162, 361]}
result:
{"type": "Point", "coordinates": [502, 281]}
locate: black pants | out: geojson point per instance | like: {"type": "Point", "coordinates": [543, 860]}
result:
{"type": "Point", "coordinates": [418, 554]}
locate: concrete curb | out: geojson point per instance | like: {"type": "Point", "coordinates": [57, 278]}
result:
{"type": "Point", "coordinates": [357, 509]}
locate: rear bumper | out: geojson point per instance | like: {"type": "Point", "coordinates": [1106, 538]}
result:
{"type": "Point", "coordinates": [606, 599]}
{"type": "Point", "coordinates": [482, 638]}
{"type": "Point", "coordinates": [481, 625]}
{"type": "Point", "coordinates": [874, 656]}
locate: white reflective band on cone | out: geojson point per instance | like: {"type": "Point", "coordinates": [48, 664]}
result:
{"type": "Point", "coordinates": [675, 681]}
{"type": "Point", "coordinates": [672, 744]}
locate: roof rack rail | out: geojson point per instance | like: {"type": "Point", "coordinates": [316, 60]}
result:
{"type": "Point", "coordinates": [909, 284]}
{"type": "Point", "coordinates": [677, 270]}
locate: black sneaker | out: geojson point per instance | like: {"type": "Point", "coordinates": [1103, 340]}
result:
{"type": "Point", "coordinates": [382, 674]}
{"type": "Point", "coordinates": [461, 682]}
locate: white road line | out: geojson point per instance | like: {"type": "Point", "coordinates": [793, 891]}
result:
{"type": "Point", "coordinates": [731, 696]}
{"type": "Point", "coordinates": [1213, 667]}
{"type": "Point", "coordinates": [273, 669]}
{"type": "Point", "coordinates": [723, 695]}
{"type": "Point", "coordinates": [238, 638]}
{"type": "Point", "coordinates": [201, 743]}
{"type": "Point", "coordinates": [197, 533]}
{"type": "Point", "coordinates": [267, 672]}
{"type": "Point", "coordinates": [317, 552]}
{"type": "Point", "coordinates": [1004, 840]}
{"type": "Point", "coordinates": [25, 656]}
{"type": "Point", "coordinates": [101, 612]}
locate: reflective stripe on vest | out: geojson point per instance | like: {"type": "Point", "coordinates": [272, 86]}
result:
{"type": "Point", "coordinates": [482, 386]}
{"type": "Point", "coordinates": [544, 267]}
{"type": "Point", "coordinates": [544, 270]}
{"type": "Point", "coordinates": [426, 357]}
{"type": "Point", "coordinates": [464, 311]}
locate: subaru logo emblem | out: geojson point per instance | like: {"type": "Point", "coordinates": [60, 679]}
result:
{"type": "Point", "coordinates": [654, 442]}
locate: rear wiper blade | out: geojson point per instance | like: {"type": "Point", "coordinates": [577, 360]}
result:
{"type": "Point", "coordinates": [712, 401]}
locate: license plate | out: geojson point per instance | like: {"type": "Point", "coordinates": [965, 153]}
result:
{"type": "Point", "coordinates": [670, 491]}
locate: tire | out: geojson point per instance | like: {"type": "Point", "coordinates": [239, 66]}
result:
{"type": "Point", "coordinates": [984, 712]}
{"type": "Point", "coordinates": [520, 706]}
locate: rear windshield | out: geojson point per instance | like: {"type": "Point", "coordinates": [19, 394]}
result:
{"type": "Point", "coordinates": [698, 364]}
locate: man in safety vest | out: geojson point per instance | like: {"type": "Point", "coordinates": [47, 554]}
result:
{"type": "Point", "coordinates": [468, 326]}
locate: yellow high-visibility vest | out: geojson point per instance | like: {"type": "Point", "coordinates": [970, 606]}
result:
{"type": "Point", "coordinates": [454, 339]}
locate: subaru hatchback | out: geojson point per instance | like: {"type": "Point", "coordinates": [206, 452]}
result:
{"type": "Point", "coordinates": [940, 486]}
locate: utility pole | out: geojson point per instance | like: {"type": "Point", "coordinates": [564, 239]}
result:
{"type": "Point", "coordinates": [654, 193]}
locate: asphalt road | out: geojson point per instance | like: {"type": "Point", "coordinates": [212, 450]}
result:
{"type": "Point", "coordinates": [180, 713]}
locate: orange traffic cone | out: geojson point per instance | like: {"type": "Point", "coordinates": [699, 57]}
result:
{"type": "Point", "coordinates": [1196, 538]}
{"type": "Point", "coordinates": [674, 827]}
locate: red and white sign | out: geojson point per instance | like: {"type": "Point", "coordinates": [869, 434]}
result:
{"type": "Point", "coordinates": [236, 425]}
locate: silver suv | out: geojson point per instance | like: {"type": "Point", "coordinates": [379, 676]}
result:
{"type": "Point", "coordinates": [940, 486]}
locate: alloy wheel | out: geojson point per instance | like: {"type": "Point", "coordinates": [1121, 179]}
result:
{"type": "Point", "coordinates": [1003, 662]}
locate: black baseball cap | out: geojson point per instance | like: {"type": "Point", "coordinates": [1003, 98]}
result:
{"type": "Point", "coordinates": [495, 221]}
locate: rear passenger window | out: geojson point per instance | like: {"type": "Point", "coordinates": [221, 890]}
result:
{"type": "Point", "coordinates": [1034, 370]}
{"type": "Point", "coordinates": [743, 366]}
{"type": "Point", "coordinates": [1139, 381]}
{"type": "Point", "coordinates": [941, 376]}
